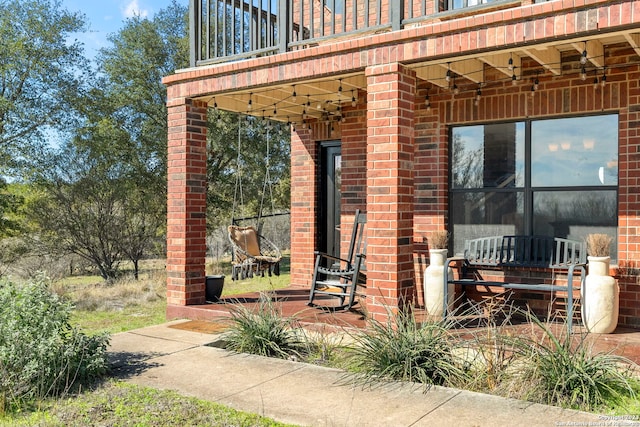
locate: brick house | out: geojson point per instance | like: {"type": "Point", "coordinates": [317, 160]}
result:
{"type": "Point", "coordinates": [476, 116]}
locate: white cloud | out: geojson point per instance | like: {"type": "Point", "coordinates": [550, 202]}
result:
{"type": "Point", "coordinates": [132, 9]}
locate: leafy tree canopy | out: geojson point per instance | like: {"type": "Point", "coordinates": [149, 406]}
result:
{"type": "Point", "coordinates": [41, 74]}
{"type": "Point", "coordinates": [142, 52]}
{"type": "Point", "coordinates": [240, 151]}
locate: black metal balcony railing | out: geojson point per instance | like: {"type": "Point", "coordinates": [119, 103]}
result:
{"type": "Point", "coordinates": [228, 30]}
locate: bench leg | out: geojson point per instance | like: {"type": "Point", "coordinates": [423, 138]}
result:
{"type": "Point", "coordinates": [583, 275]}
{"type": "Point", "coordinates": [569, 308]}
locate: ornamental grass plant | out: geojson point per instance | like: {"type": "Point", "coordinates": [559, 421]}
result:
{"type": "Point", "coordinates": [404, 350]}
{"type": "Point", "coordinates": [567, 372]}
{"type": "Point", "coordinates": [527, 360]}
{"type": "Point", "coordinates": [489, 349]}
{"type": "Point", "coordinates": [530, 361]}
{"type": "Point", "coordinates": [264, 331]}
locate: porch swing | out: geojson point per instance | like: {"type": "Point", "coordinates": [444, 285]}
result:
{"type": "Point", "coordinates": [252, 253]}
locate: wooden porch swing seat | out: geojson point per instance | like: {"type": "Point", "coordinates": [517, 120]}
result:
{"type": "Point", "coordinates": [252, 253]}
{"type": "Point", "coordinates": [339, 278]}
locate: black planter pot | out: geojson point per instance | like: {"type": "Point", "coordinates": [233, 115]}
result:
{"type": "Point", "coordinates": [213, 287]}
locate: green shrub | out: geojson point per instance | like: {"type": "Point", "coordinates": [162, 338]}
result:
{"type": "Point", "coordinates": [561, 372]}
{"type": "Point", "coordinates": [403, 350]}
{"type": "Point", "coordinates": [41, 354]}
{"type": "Point", "coordinates": [263, 332]}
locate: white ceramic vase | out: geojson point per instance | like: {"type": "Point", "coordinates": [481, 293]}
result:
{"type": "Point", "coordinates": [434, 284]}
{"type": "Point", "coordinates": [600, 297]}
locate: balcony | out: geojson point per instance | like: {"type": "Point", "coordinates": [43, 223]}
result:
{"type": "Point", "coordinates": [469, 46]}
{"type": "Point", "coordinates": [230, 30]}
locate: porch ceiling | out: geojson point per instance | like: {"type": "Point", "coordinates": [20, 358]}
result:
{"type": "Point", "coordinates": [322, 98]}
{"type": "Point", "coordinates": [319, 98]}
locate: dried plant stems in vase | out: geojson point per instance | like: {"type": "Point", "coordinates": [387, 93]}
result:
{"type": "Point", "coordinates": [601, 293]}
{"type": "Point", "coordinates": [599, 245]}
{"type": "Point", "coordinates": [434, 275]}
{"type": "Point", "coordinates": [438, 239]}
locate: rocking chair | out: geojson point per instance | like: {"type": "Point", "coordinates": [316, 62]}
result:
{"type": "Point", "coordinates": [252, 253]}
{"type": "Point", "coordinates": [335, 277]}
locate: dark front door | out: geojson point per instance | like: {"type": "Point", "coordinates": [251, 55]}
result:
{"type": "Point", "coordinates": [329, 218]}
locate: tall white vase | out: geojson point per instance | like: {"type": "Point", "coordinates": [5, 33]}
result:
{"type": "Point", "coordinates": [434, 284]}
{"type": "Point", "coordinates": [600, 297]}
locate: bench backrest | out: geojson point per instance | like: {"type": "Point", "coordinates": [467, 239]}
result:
{"type": "Point", "coordinates": [525, 251]}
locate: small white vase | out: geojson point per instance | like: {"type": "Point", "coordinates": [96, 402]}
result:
{"type": "Point", "coordinates": [600, 297]}
{"type": "Point", "coordinates": [434, 284]}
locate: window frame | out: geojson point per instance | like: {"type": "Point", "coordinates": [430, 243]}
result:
{"type": "Point", "coordinates": [528, 190]}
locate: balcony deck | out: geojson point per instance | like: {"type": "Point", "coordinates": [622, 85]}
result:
{"type": "Point", "coordinates": [230, 30]}
{"type": "Point", "coordinates": [302, 77]}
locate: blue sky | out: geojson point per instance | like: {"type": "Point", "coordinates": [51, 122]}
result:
{"type": "Point", "coordinates": [107, 16]}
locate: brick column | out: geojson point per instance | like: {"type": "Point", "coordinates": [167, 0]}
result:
{"type": "Point", "coordinates": [304, 206]}
{"type": "Point", "coordinates": [390, 139]}
{"type": "Point", "coordinates": [186, 202]}
{"type": "Point", "coordinates": [354, 163]}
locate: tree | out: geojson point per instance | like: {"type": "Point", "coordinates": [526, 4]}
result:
{"type": "Point", "coordinates": [99, 198]}
{"type": "Point", "coordinates": [81, 210]}
{"type": "Point", "coordinates": [102, 194]}
{"type": "Point", "coordinates": [110, 180]}
{"type": "Point", "coordinates": [10, 202]}
{"type": "Point", "coordinates": [146, 50]}
{"type": "Point", "coordinates": [12, 248]}
{"type": "Point", "coordinates": [228, 161]}
{"type": "Point", "coordinates": [41, 73]}
{"type": "Point", "coordinates": [143, 52]}
{"type": "Point", "coordinates": [141, 225]}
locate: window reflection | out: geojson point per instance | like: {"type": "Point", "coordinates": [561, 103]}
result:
{"type": "Point", "coordinates": [488, 156]}
{"type": "Point", "coordinates": [574, 152]}
{"type": "Point", "coordinates": [486, 214]}
{"type": "Point", "coordinates": [552, 177]}
{"type": "Point", "coordinates": [574, 214]}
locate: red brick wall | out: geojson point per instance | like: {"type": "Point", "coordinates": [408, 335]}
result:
{"type": "Point", "coordinates": [564, 95]}
{"type": "Point", "coordinates": [354, 156]}
{"type": "Point", "coordinates": [431, 178]}
{"type": "Point", "coordinates": [186, 204]}
{"type": "Point", "coordinates": [304, 206]}
{"type": "Point", "coordinates": [354, 165]}
{"type": "Point", "coordinates": [558, 95]}
{"type": "Point", "coordinates": [390, 135]}
{"type": "Point", "coordinates": [625, 92]}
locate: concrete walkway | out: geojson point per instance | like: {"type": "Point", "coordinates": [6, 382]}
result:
{"type": "Point", "coordinates": [170, 356]}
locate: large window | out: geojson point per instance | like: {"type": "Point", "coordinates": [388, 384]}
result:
{"type": "Point", "coordinates": [556, 177]}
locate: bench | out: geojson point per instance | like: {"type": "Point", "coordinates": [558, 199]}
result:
{"type": "Point", "coordinates": [520, 252]}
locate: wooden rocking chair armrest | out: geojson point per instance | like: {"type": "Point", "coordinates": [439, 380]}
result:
{"type": "Point", "coordinates": [330, 257]}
